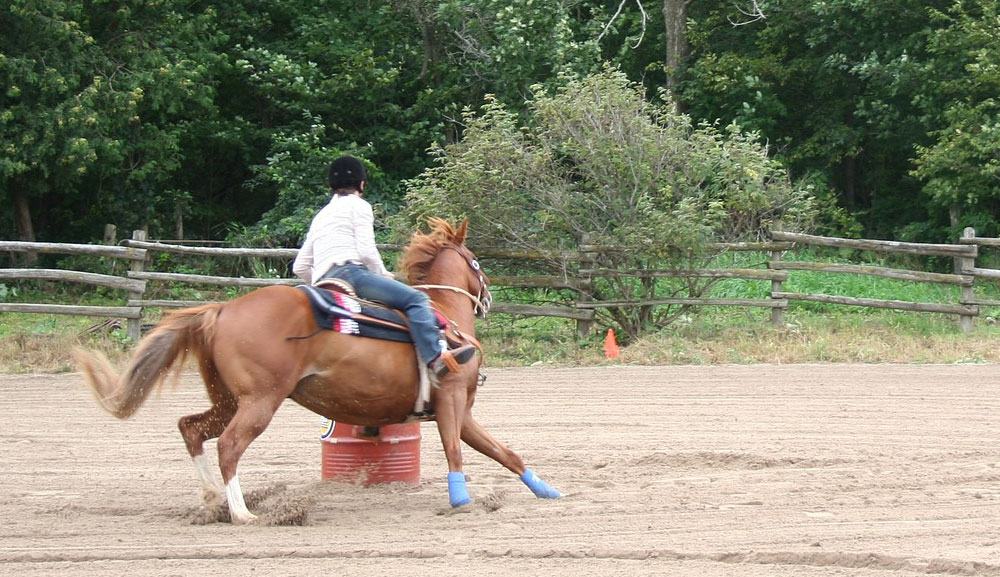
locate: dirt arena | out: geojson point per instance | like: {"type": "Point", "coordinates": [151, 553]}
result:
{"type": "Point", "coordinates": [805, 470]}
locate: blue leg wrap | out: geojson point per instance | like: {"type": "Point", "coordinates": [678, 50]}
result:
{"type": "Point", "coordinates": [540, 488]}
{"type": "Point", "coordinates": [458, 493]}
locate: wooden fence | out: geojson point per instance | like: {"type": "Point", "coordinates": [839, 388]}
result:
{"type": "Point", "coordinates": [137, 252]}
{"type": "Point", "coordinates": [964, 255]}
{"type": "Point", "coordinates": [581, 308]}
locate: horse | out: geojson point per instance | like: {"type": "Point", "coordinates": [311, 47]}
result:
{"type": "Point", "coordinates": [255, 351]}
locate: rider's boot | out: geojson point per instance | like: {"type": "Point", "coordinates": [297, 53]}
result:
{"type": "Point", "coordinates": [449, 360]}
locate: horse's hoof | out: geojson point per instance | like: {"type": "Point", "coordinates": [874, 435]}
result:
{"type": "Point", "coordinates": [540, 488]}
{"type": "Point", "coordinates": [458, 493]}
{"type": "Point", "coordinates": [460, 503]}
{"type": "Point", "coordinates": [212, 499]}
{"type": "Point", "coordinates": [247, 519]}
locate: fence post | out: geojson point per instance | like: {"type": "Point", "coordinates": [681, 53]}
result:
{"type": "Point", "coordinates": [968, 292]}
{"type": "Point", "coordinates": [135, 325]}
{"type": "Point", "coordinates": [777, 313]}
{"type": "Point", "coordinates": [583, 327]}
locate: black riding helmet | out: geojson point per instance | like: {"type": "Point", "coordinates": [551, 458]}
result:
{"type": "Point", "coordinates": [345, 172]}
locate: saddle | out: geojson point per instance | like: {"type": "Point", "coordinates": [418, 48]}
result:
{"type": "Point", "coordinates": [336, 307]}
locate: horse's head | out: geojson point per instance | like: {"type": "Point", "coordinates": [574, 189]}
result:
{"type": "Point", "coordinates": [440, 260]}
{"type": "Point", "coordinates": [477, 283]}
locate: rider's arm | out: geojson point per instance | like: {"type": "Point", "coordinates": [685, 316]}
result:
{"type": "Point", "coordinates": [364, 238]}
{"type": "Point", "coordinates": [303, 265]}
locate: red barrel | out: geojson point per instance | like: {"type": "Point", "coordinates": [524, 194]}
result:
{"type": "Point", "coordinates": [391, 457]}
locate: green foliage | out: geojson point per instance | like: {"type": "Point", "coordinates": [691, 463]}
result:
{"type": "Point", "coordinates": [598, 163]}
{"type": "Point", "coordinates": [99, 98]}
{"type": "Point", "coordinates": [598, 159]}
{"type": "Point", "coordinates": [837, 87]}
{"type": "Point", "coordinates": [199, 118]}
{"type": "Point", "coordinates": [504, 47]}
{"type": "Point", "coordinates": [48, 125]}
{"type": "Point", "coordinates": [962, 167]}
{"type": "Point", "coordinates": [297, 170]}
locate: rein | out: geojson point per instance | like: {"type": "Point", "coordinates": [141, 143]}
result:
{"type": "Point", "coordinates": [480, 307]}
{"type": "Point", "coordinates": [452, 326]}
{"type": "Point", "coordinates": [476, 302]}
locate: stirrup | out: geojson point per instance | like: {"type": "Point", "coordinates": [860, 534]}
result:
{"type": "Point", "coordinates": [449, 360]}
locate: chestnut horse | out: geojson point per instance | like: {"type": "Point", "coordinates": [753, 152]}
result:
{"type": "Point", "coordinates": [252, 356]}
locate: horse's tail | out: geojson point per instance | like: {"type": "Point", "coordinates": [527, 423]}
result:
{"type": "Point", "coordinates": [183, 332]}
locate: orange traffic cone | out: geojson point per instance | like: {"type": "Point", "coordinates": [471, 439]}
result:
{"type": "Point", "coordinates": [610, 345]}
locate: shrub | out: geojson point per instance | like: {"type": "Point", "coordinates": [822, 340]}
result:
{"type": "Point", "coordinates": [597, 161]}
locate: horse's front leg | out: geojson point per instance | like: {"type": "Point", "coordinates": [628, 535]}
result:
{"type": "Point", "coordinates": [450, 408]}
{"type": "Point", "coordinates": [474, 435]}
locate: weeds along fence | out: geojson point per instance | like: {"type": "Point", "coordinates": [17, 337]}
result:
{"type": "Point", "coordinates": [135, 258]}
{"type": "Point", "coordinates": [964, 255]}
{"type": "Point", "coordinates": [575, 300]}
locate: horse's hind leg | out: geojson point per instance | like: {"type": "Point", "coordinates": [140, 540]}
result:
{"type": "Point", "coordinates": [474, 435]}
{"type": "Point", "coordinates": [251, 418]}
{"type": "Point", "coordinates": [198, 428]}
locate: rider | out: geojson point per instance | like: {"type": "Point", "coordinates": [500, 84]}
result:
{"type": "Point", "coordinates": [341, 244]}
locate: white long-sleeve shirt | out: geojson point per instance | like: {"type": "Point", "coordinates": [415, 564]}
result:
{"type": "Point", "coordinates": [341, 231]}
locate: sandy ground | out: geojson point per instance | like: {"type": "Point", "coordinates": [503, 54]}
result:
{"type": "Point", "coordinates": [759, 470]}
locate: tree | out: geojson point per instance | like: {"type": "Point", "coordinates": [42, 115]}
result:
{"type": "Point", "coordinates": [47, 119]}
{"type": "Point", "coordinates": [675, 36]}
{"type": "Point", "coordinates": [961, 168]}
{"type": "Point", "coordinates": [99, 97]}
{"type": "Point", "coordinates": [389, 93]}
{"type": "Point", "coordinates": [503, 48]}
{"type": "Point", "coordinates": [675, 16]}
{"type": "Point", "coordinates": [835, 87]}
{"type": "Point", "coordinates": [596, 159]}
{"type": "Point", "coordinates": [329, 78]}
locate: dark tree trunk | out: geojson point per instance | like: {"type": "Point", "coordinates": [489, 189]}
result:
{"type": "Point", "coordinates": [179, 219]}
{"type": "Point", "coordinates": [424, 18]}
{"type": "Point", "coordinates": [851, 183]}
{"type": "Point", "coordinates": [22, 218]}
{"type": "Point", "coordinates": [675, 19]}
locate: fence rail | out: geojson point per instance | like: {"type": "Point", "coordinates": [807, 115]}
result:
{"type": "Point", "coordinates": [137, 251]}
{"type": "Point", "coordinates": [926, 249]}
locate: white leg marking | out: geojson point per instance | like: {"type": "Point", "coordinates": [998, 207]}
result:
{"type": "Point", "coordinates": [424, 392]}
{"type": "Point", "coordinates": [237, 506]}
{"type": "Point", "coordinates": [205, 475]}
{"type": "Point", "coordinates": [211, 491]}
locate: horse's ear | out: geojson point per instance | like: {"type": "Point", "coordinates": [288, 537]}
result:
{"type": "Point", "coordinates": [462, 231]}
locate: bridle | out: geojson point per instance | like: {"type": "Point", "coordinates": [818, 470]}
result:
{"type": "Point", "coordinates": [482, 300]}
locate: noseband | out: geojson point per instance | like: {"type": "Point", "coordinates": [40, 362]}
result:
{"type": "Point", "coordinates": [481, 301]}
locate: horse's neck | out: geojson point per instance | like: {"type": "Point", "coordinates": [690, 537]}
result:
{"type": "Point", "coordinates": [457, 307]}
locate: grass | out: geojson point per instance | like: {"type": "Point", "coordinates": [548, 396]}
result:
{"type": "Point", "coordinates": [43, 343]}
{"type": "Point", "coordinates": [813, 332]}
{"type": "Point", "coordinates": [738, 336]}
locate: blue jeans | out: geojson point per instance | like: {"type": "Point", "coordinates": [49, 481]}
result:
{"type": "Point", "coordinates": [396, 295]}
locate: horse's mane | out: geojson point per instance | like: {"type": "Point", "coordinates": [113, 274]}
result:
{"type": "Point", "coordinates": [415, 262]}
